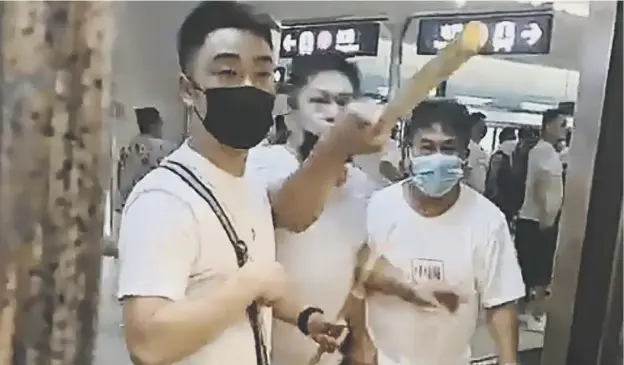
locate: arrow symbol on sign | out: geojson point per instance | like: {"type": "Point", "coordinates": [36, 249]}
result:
{"type": "Point", "coordinates": [289, 43]}
{"type": "Point", "coordinates": [532, 34]}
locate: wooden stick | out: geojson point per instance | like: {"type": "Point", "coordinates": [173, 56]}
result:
{"type": "Point", "coordinates": [357, 292]}
{"type": "Point", "coordinates": [437, 70]}
{"type": "Point", "coordinates": [416, 89]}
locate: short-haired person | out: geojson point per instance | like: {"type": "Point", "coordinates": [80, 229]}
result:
{"type": "Point", "coordinates": [536, 233]}
{"type": "Point", "coordinates": [199, 280]}
{"type": "Point", "coordinates": [433, 230]}
{"type": "Point", "coordinates": [144, 152]}
{"type": "Point", "coordinates": [320, 260]}
{"type": "Point", "coordinates": [499, 182]}
{"type": "Point", "coordinates": [477, 157]}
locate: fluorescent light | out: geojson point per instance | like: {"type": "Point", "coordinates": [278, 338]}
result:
{"type": "Point", "coordinates": [472, 100]}
{"type": "Point", "coordinates": [535, 107]}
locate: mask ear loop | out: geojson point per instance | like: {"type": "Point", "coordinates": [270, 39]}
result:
{"type": "Point", "coordinates": [196, 87]}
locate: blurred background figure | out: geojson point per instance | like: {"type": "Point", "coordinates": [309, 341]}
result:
{"type": "Point", "coordinates": [477, 157]}
{"type": "Point", "coordinates": [499, 178]}
{"type": "Point", "coordinates": [144, 152]}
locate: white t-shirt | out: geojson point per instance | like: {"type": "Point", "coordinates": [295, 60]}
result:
{"type": "Point", "coordinates": [468, 247]}
{"type": "Point", "coordinates": [171, 245]}
{"type": "Point", "coordinates": [320, 261]}
{"type": "Point", "coordinates": [478, 161]}
{"type": "Point", "coordinates": [544, 163]}
{"type": "Point", "coordinates": [370, 163]}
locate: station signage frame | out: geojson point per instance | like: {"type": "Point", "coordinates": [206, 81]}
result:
{"type": "Point", "coordinates": [509, 33]}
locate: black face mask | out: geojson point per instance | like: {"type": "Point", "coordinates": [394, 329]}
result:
{"type": "Point", "coordinates": [238, 117]}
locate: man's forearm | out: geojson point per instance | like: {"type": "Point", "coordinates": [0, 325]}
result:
{"type": "Point", "coordinates": [178, 329]}
{"type": "Point", "coordinates": [503, 327]}
{"type": "Point", "coordinates": [288, 308]}
{"type": "Point", "coordinates": [301, 199]}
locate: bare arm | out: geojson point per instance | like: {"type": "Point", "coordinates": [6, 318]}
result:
{"type": "Point", "coordinates": [163, 323]}
{"type": "Point", "coordinates": [161, 332]}
{"type": "Point", "coordinates": [503, 327]}
{"type": "Point", "coordinates": [301, 198]}
{"type": "Point", "coordinates": [288, 309]}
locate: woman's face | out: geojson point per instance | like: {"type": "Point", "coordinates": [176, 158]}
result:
{"type": "Point", "coordinates": [322, 99]}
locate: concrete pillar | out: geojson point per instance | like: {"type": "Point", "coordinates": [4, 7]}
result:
{"type": "Point", "coordinates": [55, 81]}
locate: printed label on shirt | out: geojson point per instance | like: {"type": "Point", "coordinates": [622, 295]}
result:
{"type": "Point", "coordinates": [426, 270]}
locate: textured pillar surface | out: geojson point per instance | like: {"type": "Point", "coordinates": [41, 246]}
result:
{"type": "Point", "coordinates": [54, 156]}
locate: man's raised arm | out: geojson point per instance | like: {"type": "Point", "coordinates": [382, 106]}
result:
{"type": "Point", "coordinates": [300, 200]}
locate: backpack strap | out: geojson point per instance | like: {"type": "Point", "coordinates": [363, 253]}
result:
{"type": "Point", "coordinates": [240, 247]}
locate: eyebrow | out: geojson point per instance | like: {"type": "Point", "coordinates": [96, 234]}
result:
{"type": "Point", "coordinates": [236, 57]}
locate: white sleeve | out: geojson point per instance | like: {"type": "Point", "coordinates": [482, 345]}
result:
{"type": "Point", "coordinates": [267, 166]}
{"type": "Point", "coordinates": [499, 279]}
{"type": "Point", "coordinates": [158, 244]}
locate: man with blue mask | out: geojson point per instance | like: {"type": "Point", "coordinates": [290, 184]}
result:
{"type": "Point", "coordinates": [438, 231]}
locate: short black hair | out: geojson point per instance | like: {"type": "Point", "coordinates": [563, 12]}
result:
{"type": "Point", "coordinates": [550, 116]}
{"type": "Point", "coordinates": [305, 67]}
{"type": "Point", "coordinates": [147, 118]}
{"type": "Point", "coordinates": [478, 121]}
{"type": "Point", "coordinates": [210, 16]}
{"type": "Point", "coordinates": [507, 134]}
{"type": "Point", "coordinates": [452, 117]}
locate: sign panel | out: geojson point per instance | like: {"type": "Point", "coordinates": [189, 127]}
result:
{"type": "Point", "coordinates": [508, 33]}
{"type": "Point", "coordinates": [354, 39]}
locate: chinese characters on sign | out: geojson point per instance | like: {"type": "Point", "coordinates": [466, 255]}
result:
{"type": "Point", "coordinates": [354, 39]}
{"type": "Point", "coordinates": [507, 34]}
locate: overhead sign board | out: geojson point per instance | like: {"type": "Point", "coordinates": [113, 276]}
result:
{"type": "Point", "coordinates": [507, 33]}
{"type": "Point", "coordinates": [354, 39]}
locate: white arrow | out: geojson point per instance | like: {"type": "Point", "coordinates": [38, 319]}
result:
{"type": "Point", "coordinates": [533, 34]}
{"type": "Point", "coordinates": [289, 43]}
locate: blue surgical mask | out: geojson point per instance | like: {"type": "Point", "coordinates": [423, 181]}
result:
{"type": "Point", "coordinates": [436, 174]}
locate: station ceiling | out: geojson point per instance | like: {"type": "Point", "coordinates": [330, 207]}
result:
{"type": "Point", "coordinates": [568, 29]}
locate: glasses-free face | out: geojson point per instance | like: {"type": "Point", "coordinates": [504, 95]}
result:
{"type": "Point", "coordinates": [228, 58]}
{"type": "Point", "coordinates": [434, 139]}
{"type": "Point", "coordinates": [321, 100]}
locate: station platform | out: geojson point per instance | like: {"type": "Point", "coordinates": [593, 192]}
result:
{"type": "Point", "coordinates": [111, 349]}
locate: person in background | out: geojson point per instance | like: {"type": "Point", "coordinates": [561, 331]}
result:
{"type": "Point", "coordinates": [144, 152]}
{"type": "Point", "coordinates": [477, 159]}
{"type": "Point", "coordinates": [321, 259]}
{"type": "Point", "coordinates": [536, 233]}
{"type": "Point", "coordinates": [199, 281]}
{"type": "Point", "coordinates": [433, 230]}
{"type": "Point", "coordinates": [499, 180]}
{"type": "Point", "coordinates": [382, 167]}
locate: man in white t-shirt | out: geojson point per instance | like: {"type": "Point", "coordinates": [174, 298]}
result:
{"type": "Point", "coordinates": [431, 230]}
{"type": "Point", "coordinates": [200, 284]}
{"type": "Point", "coordinates": [536, 233]}
{"type": "Point", "coordinates": [320, 260]}
{"type": "Point", "coordinates": [477, 157]}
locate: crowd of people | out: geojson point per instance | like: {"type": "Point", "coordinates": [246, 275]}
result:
{"type": "Point", "coordinates": [244, 247]}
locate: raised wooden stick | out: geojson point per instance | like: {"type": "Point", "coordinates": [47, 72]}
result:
{"type": "Point", "coordinates": [437, 70]}
{"type": "Point", "coordinates": [415, 90]}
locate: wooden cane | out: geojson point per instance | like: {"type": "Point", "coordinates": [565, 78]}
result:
{"type": "Point", "coordinates": [414, 91]}
{"type": "Point", "coordinates": [438, 69]}
{"type": "Point", "coordinates": [357, 292]}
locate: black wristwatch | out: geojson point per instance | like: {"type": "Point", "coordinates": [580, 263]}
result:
{"type": "Point", "coordinates": [304, 317]}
